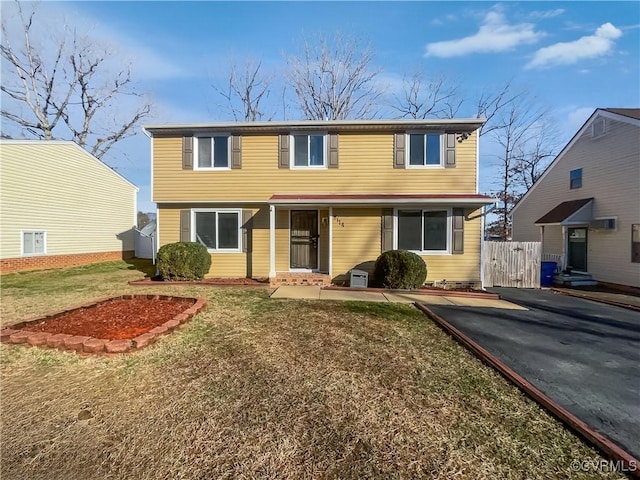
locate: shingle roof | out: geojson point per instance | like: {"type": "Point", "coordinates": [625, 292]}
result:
{"type": "Point", "coordinates": [627, 112]}
{"type": "Point", "coordinates": [562, 211]}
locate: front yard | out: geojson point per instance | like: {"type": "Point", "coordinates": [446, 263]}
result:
{"type": "Point", "coordinates": [260, 388]}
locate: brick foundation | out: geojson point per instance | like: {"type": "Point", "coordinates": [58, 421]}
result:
{"type": "Point", "coordinates": [44, 262]}
{"type": "Point", "coordinates": [300, 278]}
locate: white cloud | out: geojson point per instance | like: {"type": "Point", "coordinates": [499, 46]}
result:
{"type": "Point", "coordinates": [542, 14]}
{"type": "Point", "coordinates": [494, 35]}
{"type": "Point", "coordinates": [570, 53]}
{"type": "Point", "coordinates": [576, 118]}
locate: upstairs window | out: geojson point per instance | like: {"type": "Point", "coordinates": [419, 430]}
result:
{"type": "Point", "coordinates": [575, 178]}
{"type": "Point", "coordinates": [34, 243]}
{"type": "Point", "coordinates": [211, 152]}
{"type": "Point", "coordinates": [218, 230]}
{"type": "Point", "coordinates": [308, 151]}
{"type": "Point", "coordinates": [424, 230]}
{"type": "Point", "coordinates": [425, 149]}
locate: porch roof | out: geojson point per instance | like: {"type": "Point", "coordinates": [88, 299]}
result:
{"type": "Point", "coordinates": [454, 199]}
{"type": "Point", "coordinates": [567, 212]}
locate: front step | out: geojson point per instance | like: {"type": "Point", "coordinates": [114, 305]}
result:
{"type": "Point", "coordinates": [283, 279]}
{"type": "Point", "coordinates": [574, 279]}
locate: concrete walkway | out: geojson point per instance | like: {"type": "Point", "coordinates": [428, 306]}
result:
{"type": "Point", "coordinates": [316, 293]}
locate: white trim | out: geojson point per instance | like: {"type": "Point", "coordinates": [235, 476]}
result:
{"type": "Point", "coordinates": [441, 140]}
{"type": "Point", "coordinates": [292, 151]}
{"type": "Point", "coordinates": [307, 270]}
{"type": "Point", "coordinates": [218, 210]}
{"type": "Point", "coordinates": [272, 241]}
{"type": "Point", "coordinates": [574, 139]}
{"type": "Point", "coordinates": [196, 138]}
{"type": "Point", "coordinates": [330, 242]}
{"type": "Point", "coordinates": [482, 231]}
{"type": "Point", "coordinates": [148, 134]}
{"type": "Point", "coordinates": [449, 233]}
{"type": "Point", "coordinates": [33, 230]}
{"type": "Point", "coordinates": [478, 169]}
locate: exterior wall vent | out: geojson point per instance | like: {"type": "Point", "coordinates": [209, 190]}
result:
{"type": "Point", "coordinates": [598, 128]}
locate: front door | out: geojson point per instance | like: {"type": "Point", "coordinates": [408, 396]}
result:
{"type": "Point", "coordinates": [304, 239]}
{"type": "Point", "coordinates": [577, 249]}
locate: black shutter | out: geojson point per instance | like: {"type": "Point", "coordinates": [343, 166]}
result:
{"type": "Point", "coordinates": [387, 229]}
{"type": "Point", "coordinates": [236, 151]}
{"type": "Point", "coordinates": [450, 150]}
{"type": "Point", "coordinates": [458, 231]}
{"type": "Point", "coordinates": [333, 150]}
{"type": "Point", "coordinates": [399, 150]}
{"type": "Point", "coordinates": [283, 151]}
{"type": "Point", "coordinates": [246, 230]}
{"type": "Point", "coordinates": [187, 153]}
{"type": "Point", "coordinates": [185, 225]}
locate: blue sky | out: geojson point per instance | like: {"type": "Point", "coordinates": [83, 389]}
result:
{"type": "Point", "coordinates": [573, 56]}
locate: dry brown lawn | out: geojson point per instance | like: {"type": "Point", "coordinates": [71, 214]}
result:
{"type": "Point", "coordinates": [260, 388]}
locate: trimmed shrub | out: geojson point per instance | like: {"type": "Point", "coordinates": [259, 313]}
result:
{"type": "Point", "coordinates": [400, 269]}
{"type": "Point", "coordinates": [183, 261]}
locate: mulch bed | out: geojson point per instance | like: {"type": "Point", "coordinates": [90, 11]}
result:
{"type": "Point", "coordinates": [212, 282]}
{"type": "Point", "coordinates": [112, 325]}
{"type": "Point", "coordinates": [453, 292]}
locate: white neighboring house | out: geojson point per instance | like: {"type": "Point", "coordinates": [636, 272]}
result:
{"type": "Point", "coordinates": [60, 206]}
{"type": "Point", "coordinates": [585, 208]}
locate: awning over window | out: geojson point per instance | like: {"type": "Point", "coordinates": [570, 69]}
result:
{"type": "Point", "coordinates": [459, 200]}
{"type": "Point", "coordinates": [569, 213]}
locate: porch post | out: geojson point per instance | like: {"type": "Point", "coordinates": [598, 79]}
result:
{"type": "Point", "coordinates": [272, 241]}
{"type": "Point", "coordinates": [331, 242]}
{"type": "Point", "coordinates": [564, 247]}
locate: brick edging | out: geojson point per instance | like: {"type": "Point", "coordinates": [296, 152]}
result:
{"type": "Point", "coordinates": [14, 334]}
{"type": "Point", "coordinates": [583, 429]}
{"type": "Point", "coordinates": [439, 293]}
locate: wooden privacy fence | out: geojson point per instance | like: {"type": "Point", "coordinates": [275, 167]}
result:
{"type": "Point", "coordinates": [512, 264]}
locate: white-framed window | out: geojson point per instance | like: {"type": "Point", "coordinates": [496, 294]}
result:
{"type": "Point", "coordinates": [424, 231]}
{"type": "Point", "coordinates": [308, 150]}
{"type": "Point", "coordinates": [575, 178]}
{"type": "Point", "coordinates": [425, 149]}
{"type": "Point", "coordinates": [34, 242]}
{"type": "Point", "coordinates": [211, 153]}
{"type": "Point", "coordinates": [217, 229]}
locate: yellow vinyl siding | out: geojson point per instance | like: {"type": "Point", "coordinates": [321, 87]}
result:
{"type": "Point", "coordinates": [357, 239]}
{"type": "Point", "coordinates": [57, 187]}
{"type": "Point", "coordinates": [282, 241]}
{"type": "Point", "coordinates": [222, 264]}
{"type": "Point", "coordinates": [365, 166]}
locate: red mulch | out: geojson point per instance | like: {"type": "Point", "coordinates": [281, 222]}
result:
{"type": "Point", "coordinates": [113, 319]}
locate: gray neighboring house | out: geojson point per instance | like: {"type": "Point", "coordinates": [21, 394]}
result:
{"type": "Point", "coordinates": [585, 208]}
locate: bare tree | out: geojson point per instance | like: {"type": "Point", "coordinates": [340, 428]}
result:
{"type": "Point", "coordinates": [73, 88]}
{"type": "Point", "coordinates": [424, 98]}
{"type": "Point", "coordinates": [334, 80]}
{"type": "Point", "coordinates": [490, 106]}
{"type": "Point", "coordinates": [532, 157]}
{"type": "Point", "coordinates": [520, 126]}
{"type": "Point", "coordinates": [245, 91]}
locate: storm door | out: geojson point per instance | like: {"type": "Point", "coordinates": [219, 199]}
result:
{"type": "Point", "coordinates": [577, 249]}
{"type": "Point", "coordinates": [304, 239]}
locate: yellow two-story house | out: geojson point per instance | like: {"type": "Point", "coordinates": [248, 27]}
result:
{"type": "Point", "coordinates": [309, 201]}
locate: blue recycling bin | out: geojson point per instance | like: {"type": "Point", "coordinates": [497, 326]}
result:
{"type": "Point", "coordinates": [548, 269]}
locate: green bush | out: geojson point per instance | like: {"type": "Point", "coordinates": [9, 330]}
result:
{"type": "Point", "coordinates": [400, 269]}
{"type": "Point", "coordinates": [183, 261]}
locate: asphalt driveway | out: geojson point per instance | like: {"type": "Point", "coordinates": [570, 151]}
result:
{"type": "Point", "coordinates": [583, 354]}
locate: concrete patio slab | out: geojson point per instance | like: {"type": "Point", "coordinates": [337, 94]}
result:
{"type": "Point", "coordinates": [353, 296]}
{"type": "Point", "coordinates": [483, 302]}
{"type": "Point", "coordinates": [297, 292]}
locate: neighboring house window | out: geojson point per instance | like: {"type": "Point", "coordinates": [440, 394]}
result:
{"type": "Point", "coordinates": [575, 178]}
{"type": "Point", "coordinates": [308, 151]}
{"type": "Point", "coordinates": [425, 149]}
{"type": "Point", "coordinates": [424, 230]}
{"type": "Point", "coordinates": [218, 230]}
{"type": "Point", "coordinates": [635, 243]}
{"type": "Point", "coordinates": [34, 243]}
{"type": "Point", "coordinates": [211, 152]}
